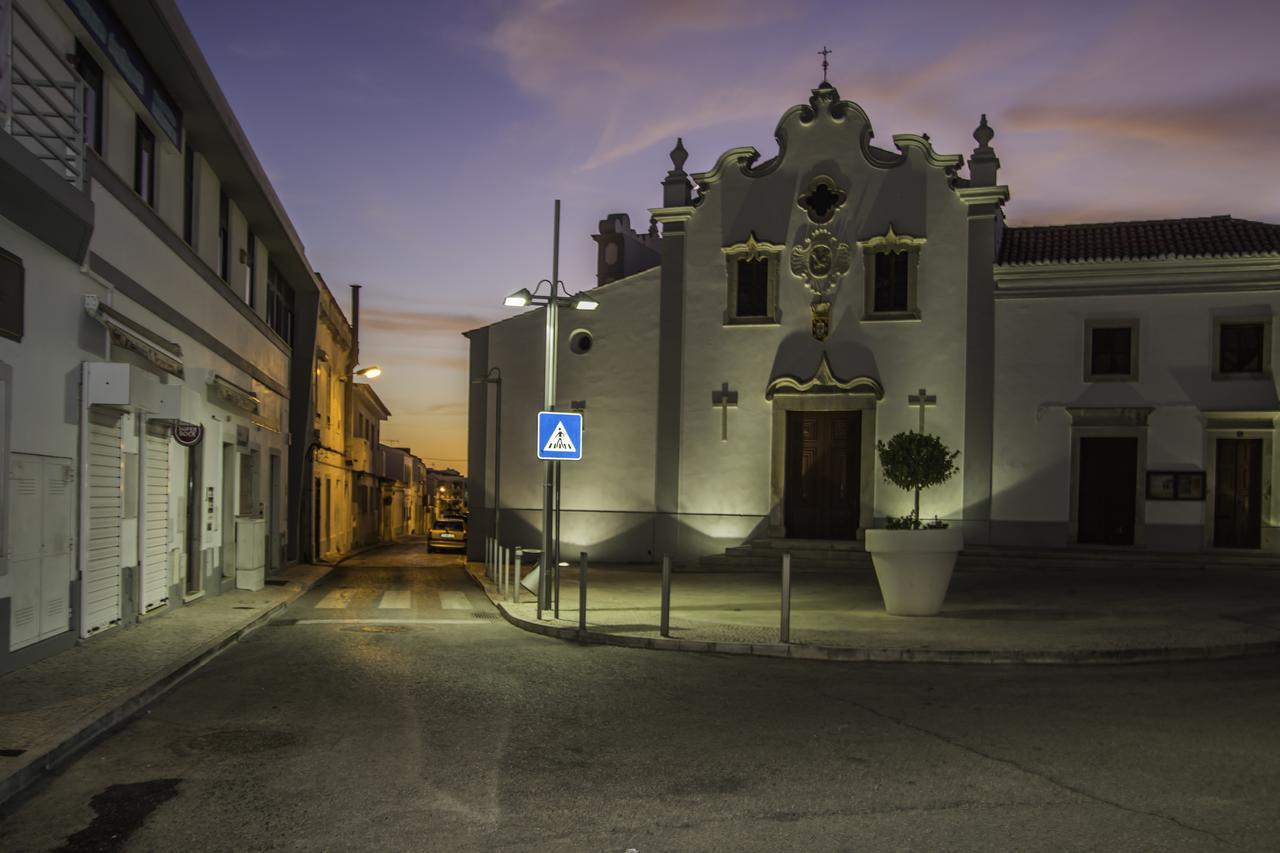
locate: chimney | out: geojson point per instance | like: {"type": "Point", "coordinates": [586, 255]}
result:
{"type": "Point", "coordinates": [355, 324]}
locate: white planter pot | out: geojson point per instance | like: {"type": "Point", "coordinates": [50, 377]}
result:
{"type": "Point", "coordinates": [914, 567]}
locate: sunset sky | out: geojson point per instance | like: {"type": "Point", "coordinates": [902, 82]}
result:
{"type": "Point", "coordinates": [418, 146]}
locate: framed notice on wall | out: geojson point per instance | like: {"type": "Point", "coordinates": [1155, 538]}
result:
{"type": "Point", "coordinates": [1175, 485]}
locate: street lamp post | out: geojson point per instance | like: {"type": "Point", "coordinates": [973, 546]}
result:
{"type": "Point", "coordinates": [553, 302]}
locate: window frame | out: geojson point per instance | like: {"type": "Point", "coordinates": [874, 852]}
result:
{"type": "Point", "coordinates": [251, 268]}
{"type": "Point", "coordinates": [190, 196]}
{"type": "Point", "coordinates": [95, 82]}
{"type": "Point", "coordinates": [891, 243]}
{"type": "Point", "coordinates": [224, 236]}
{"type": "Point", "coordinates": [752, 250]}
{"type": "Point", "coordinates": [1235, 375]}
{"type": "Point", "coordinates": [144, 142]}
{"type": "Point", "coordinates": [1100, 323]}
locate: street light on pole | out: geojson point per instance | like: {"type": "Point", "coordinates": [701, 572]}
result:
{"type": "Point", "coordinates": [553, 302]}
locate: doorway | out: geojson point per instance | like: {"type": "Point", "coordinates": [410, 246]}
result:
{"type": "Point", "coordinates": [194, 583]}
{"type": "Point", "coordinates": [228, 510]}
{"type": "Point", "coordinates": [823, 474]}
{"type": "Point", "coordinates": [1237, 504]}
{"type": "Point", "coordinates": [1107, 497]}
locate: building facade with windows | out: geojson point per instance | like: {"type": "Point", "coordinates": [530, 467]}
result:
{"type": "Point", "coordinates": [367, 414]}
{"type": "Point", "coordinates": [330, 522]}
{"type": "Point", "coordinates": [1106, 385]}
{"type": "Point", "coordinates": [154, 297]}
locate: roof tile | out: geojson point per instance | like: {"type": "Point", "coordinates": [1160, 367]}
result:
{"type": "Point", "coordinates": [1205, 237]}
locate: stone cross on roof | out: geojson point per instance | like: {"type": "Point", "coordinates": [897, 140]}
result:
{"type": "Point", "coordinates": [824, 53]}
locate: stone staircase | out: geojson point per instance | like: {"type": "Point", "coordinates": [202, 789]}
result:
{"type": "Point", "coordinates": [831, 555]}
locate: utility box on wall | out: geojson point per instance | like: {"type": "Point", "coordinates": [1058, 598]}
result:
{"type": "Point", "coordinates": [251, 553]}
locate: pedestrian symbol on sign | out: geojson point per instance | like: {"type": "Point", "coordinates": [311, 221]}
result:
{"type": "Point", "coordinates": [560, 436]}
{"type": "Point", "coordinates": [559, 441]}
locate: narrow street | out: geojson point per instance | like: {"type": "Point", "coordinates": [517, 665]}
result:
{"type": "Point", "coordinates": [391, 709]}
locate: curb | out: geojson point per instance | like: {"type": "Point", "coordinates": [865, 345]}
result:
{"type": "Point", "coordinates": [796, 651]}
{"type": "Point", "coordinates": [85, 733]}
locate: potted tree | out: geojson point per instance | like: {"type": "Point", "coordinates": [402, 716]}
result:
{"type": "Point", "coordinates": [914, 561]}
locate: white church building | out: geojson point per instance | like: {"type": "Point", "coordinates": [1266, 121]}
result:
{"type": "Point", "coordinates": [1107, 385]}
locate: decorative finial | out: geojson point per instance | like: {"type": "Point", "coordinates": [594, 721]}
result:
{"type": "Point", "coordinates": [983, 133]}
{"type": "Point", "coordinates": [679, 155]}
{"type": "Point", "coordinates": [824, 53]}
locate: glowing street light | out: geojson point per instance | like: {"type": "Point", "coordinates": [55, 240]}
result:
{"type": "Point", "coordinates": [370, 372]}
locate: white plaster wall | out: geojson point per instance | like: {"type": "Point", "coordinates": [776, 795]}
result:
{"type": "Point", "coordinates": [44, 418]}
{"type": "Point", "coordinates": [607, 498]}
{"type": "Point", "coordinates": [131, 247]}
{"type": "Point", "coordinates": [1040, 347]}
{"type": "Point", "coordinates": [734, 477]}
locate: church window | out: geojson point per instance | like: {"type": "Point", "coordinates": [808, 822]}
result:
{"type": "Point", "coordinates": [821, 199]}
{"type": "Point", "coordinates": [1242, 348]}
{"type": "Point", "coordinates": [1111, 351]}
{"type": "Point", "coordinates": [891, 271]}
{"type": "Point", "coordinates": [752, 274]}
{"type": "Point", "coordinates": [890, 286]}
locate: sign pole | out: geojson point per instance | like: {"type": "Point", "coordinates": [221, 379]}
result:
{"type": "Point", "coordinates": [549, 403]}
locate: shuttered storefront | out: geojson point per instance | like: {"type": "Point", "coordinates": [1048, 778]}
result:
{"type": "Point", "coordinates": [40, 546]}
{"type": "Point", "coordinates": [101, 593]}
{"type": "Point", "coordinates": [155, 544]}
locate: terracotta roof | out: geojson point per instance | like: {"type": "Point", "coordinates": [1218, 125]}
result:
{"type": "Point", "coordinates": [1206, 237]}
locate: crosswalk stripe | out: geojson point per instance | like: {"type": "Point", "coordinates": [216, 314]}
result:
{"type": "Point", "coordinates": [450, 600]}
{"type": "Point", "coordinates": [395, 599]}
{"type": "Point", "coordinates": [337, 600]}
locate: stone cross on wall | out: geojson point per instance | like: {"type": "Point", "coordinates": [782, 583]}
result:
{"type": "Point", "coordinates": [922, 399]}
{"type": "Point", "coordinates": [724, 398]}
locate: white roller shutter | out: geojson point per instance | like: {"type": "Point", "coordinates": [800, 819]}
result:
{"type": "Point", "coordinates": [101, 592]}
{"type": "Point", "coordinates": [155, 547]}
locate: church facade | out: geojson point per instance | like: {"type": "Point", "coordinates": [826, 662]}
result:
{"type": "Point", "coordinates": [1106, 384]}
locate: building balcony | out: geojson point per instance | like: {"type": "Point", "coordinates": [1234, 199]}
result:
{"type": "Point", "coordinates": [42, 99]}
{"type": "Point", "coordinates": [42, 185]}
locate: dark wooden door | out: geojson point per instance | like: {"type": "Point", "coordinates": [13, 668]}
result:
{"type": "Point", "coordinates": [823, 475]}
{"type": "Point", "coordinates": [1108, 491]}
{"type": "Point", "coordinates": [1237, 504]}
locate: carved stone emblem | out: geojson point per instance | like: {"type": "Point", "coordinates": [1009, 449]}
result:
{"type": "Point", "coordinates": [821, 325]}
{"type": "Point", "coordinates": [820, 261]}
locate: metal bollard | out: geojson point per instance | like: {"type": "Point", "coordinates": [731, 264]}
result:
{"type": "Point", "coordinates": [785, 631]}
{"type": "Point", "coordinates": [555, 601]}
{"type": "Point", "coordinates": [515, 575]}
{"type": "Point", "coordinates": [488, 557]}
{"type": "Point", "coordinates": [501, 580]}
{"type": "Point", "coordinates": [582, 591]}
{"type": "Point", "coordinates": [665, 628]}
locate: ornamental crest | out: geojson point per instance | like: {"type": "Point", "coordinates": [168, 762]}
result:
{"type": "Point", "coordinates": [821, 260]}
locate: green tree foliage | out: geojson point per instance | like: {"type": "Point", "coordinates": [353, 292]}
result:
{"type": "Point", "coordinates": [915, 461]}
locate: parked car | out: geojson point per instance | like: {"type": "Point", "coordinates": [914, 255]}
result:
{"type": "Point", "coordinates": [447, 534]}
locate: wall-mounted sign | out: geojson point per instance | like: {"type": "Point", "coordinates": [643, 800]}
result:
{"type": "Point", "coordinates": [242, 436]}
{"type": "Point", "coordinates": [188, 435]}
{"type": "Point", "coordinates": [1175, 485]}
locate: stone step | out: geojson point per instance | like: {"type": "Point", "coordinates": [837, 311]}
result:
{"type": "Point", "coordinates": [725, 563]}
{"type": "Point", "coordinates": [745, 552]}
{"type": "Point", "coordinates": [1062, 558]}
{"type": "Point", "coordinates": [794, 545]}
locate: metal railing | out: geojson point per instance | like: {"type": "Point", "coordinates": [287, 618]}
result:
{"type": "Point", "coordinates": [43, 101]}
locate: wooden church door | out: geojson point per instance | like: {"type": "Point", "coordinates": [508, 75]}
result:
{"type": "Point", "coordinates": [1107, 505]}
{"type": "Point", "coordinates": [1237, 504]}
{"type": "Point", "coordinates": [823, 479]}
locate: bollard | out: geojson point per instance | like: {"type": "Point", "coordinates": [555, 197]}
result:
{"type": "Point", "coordinates": [488, 557]}
{"type": "Point", "coordinates": [582, 591]}
{"type": "Point", "coordinates": [515, 575]}
{"type": "Point", "coordinates": [555, 601]}
{"type": "Point", "coordinates": [665, 629]}
{"type": "Point", "coordinates": [501, 579]}
{"type": "Point", "coordinates": [542, 585]}
{"type": "Point", "coordinates": [785, 632]}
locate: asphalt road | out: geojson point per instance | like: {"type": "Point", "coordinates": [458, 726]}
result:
{"type": "Point", "coordinates": [390, 710]}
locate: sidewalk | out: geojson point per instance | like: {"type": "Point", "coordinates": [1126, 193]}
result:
{"type": "Point", "coordinates": [54, 707]}
{"type": "Point", "coordinates": [996, 615]}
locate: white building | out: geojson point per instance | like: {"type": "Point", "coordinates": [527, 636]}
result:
{"type": "Point", "coordinates": [154, 293]}
{"type": "Point", "coordinates": [1109, 384]}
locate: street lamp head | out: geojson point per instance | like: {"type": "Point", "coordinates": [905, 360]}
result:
{"type": "Point", "coordinates": [370, 372]}
{"type": "Point", "coordinates": [519, 299]}
{"type": "Point", "coordinates": [585, 303]}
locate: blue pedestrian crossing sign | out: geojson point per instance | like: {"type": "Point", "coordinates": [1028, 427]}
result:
{"type": "Point", "coordinates": [560, 436]}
